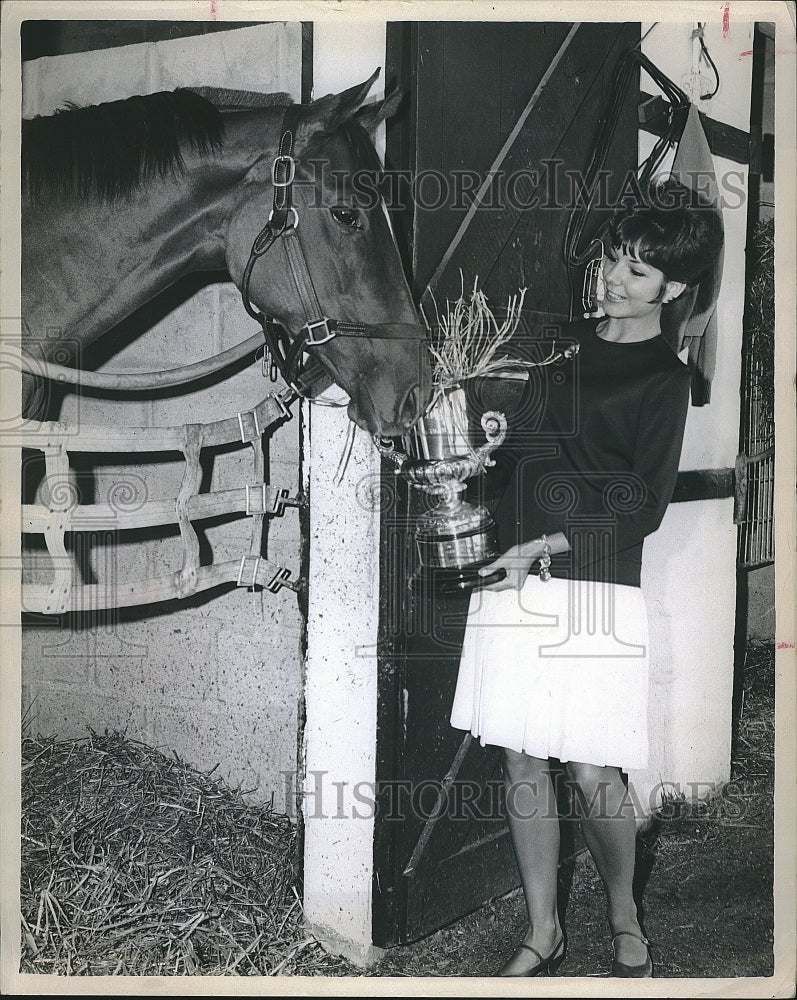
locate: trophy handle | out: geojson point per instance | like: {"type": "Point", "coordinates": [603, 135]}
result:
{"type": "Point", "coordinates": [477, 582]}
{"type": "Point", "coordinates": [494, 427]}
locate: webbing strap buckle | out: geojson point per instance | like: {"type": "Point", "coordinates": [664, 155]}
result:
{"type": "Point", "coordinates": [283, 398]}
{"type": "Point", "coordinates": [248, 418]}
{"type": "Point", "coordinates": [260, 493]}
{"type": "Point", "coordinates": [246, 563]}
{"type": "Point", "coordinates": [282, 578]}
{"type": "Point", "coordinates": [283, 500]}
{"type": "Point", "coordinates": [257, 500]}
{"type": "Point", "coordinates": [248, 570]}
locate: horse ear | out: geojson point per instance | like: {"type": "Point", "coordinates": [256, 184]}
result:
{"type": "Point", "coordinates": [343, 105]}
{"type": "Point", "coordinates": [371, 115]}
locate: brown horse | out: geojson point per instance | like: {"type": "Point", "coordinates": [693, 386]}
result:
{"type": "Point", "coordinates": [122, 200]}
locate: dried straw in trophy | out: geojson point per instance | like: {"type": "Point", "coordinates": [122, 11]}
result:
{"type": "Point", "coordinates": [134, 863]}
{"type": "Point", "coordinates": [470, 337]}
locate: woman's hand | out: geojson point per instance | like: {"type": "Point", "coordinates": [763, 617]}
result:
{"type": "Point", "coordinates": [517, 564]}
{"type": "Point", "coordinates": [518, 560]}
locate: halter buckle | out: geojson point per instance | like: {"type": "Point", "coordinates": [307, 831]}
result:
{"type": "Point", "coordinates": [318, 324]}
{"type": "Point", "coordinates": [290, 213]}
{"type": "Point", "coordinates": [290, 164]}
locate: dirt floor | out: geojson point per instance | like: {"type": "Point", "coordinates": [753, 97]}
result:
{"type": "Point", "coordinates": [134, 863]}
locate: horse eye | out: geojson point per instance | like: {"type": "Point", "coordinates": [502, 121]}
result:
{"type": "Point", "coordinates": [347, 217]}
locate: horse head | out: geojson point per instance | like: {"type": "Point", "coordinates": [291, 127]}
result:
{"type": "Point", "coordinates": [337, 281]}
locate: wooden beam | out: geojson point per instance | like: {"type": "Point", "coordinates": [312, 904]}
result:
{"type": "Point", "coordinates": [704, 484]}
{"type": "Point", "coordinates": [723, 140]}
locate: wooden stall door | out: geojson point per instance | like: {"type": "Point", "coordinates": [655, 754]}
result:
{"type": "Point", "coordinates": [468, 84]}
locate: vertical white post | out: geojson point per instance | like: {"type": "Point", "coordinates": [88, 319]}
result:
{"type": "Point", "coordinates": [343, 614]}
{"type": "Point", "coordinates": [340, 687]}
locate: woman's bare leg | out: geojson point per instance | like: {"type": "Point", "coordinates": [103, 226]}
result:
{"type": "Point", "coordinates": [609, 827]}
{"type": "Point", "coordinates": [534, 826]}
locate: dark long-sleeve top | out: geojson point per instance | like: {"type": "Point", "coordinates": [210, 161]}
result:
{"type": "Point", "coordinates": [594, 453]}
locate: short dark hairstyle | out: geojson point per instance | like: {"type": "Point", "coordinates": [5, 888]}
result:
{"type": "Point", "coordinates": [673, 230]}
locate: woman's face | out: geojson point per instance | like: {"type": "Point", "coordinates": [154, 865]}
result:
{"type": "Point", "coordinates": [632, 288]}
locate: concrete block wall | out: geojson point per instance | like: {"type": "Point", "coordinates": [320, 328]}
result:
{"type": "Point", "coordinates": [217, 679]}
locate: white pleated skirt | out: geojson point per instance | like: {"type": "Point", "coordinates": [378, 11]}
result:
{"type": "Point", "coordinates": [558, 669]}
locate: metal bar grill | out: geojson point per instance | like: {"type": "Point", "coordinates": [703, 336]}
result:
{"type": "Point", "coordinates": [755, 470]}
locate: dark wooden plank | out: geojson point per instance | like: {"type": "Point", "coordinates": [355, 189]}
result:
{"type": "Point", "coordinates": [307, 62]}
{"type": "Point", "coordinates": [529, 263]}
{"type": "Point", "coordinates": [400, 69]}
{"type": "Point", "coordinates": [388, 889]}
{"type": "Point", "coordinates": [54, 38]}
{"type": "Point", "coordinates": [491, 231]}
{"type": "Point", "coordinates": [723, 140]}
{"type": "Point", "coordinates": [428, 160]}
{"type": "Point", "coordinates": [469, 879]}
{"type": "Point", "coordinates": [421, 640]}
{"type": "Point", "coordinates": [704, 484]}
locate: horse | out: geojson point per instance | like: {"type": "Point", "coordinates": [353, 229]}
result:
{"type": "Point", "coordinates": [122, 200]}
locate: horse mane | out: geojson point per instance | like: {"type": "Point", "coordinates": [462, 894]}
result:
{"type": "Point", "coordinates": [226, 99]}
{"type": "Point", "coordinates": [109, 150]}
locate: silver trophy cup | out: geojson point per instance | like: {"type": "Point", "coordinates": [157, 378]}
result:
{"type": "Point", "coordinates": [455, 538]}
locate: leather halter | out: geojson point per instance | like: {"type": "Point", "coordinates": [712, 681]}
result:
{"type": "Point", "coordinates": [283, 352]}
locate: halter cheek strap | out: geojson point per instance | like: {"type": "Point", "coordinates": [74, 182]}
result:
{"type": "Point", "coordinates": [284, 353]}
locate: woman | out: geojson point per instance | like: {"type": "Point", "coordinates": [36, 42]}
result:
{"type": "Point", "coordinates": [554, 663]}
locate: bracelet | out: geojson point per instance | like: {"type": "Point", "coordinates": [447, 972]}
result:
{"type": "Point", "coordinates": [545, 559]}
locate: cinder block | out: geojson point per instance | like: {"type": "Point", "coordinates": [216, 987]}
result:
{"type": "Point", "coordinates": [56, 661]}
{"type": "Point", "coordinates": [73, 715]}
{"type": "Point", "coordinates": [185, 664]}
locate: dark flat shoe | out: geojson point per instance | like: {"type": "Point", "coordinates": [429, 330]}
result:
{"type": "Point", "coordinates": [622, 971]}
{"type": "Point", "coordinates": [545, 966]}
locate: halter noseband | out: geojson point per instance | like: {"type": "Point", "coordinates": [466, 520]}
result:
{"type": "Point", "coordinates": [283, 353]}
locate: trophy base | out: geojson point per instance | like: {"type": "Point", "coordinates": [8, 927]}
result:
{"type": "Point", "coordinates": [451, 580]}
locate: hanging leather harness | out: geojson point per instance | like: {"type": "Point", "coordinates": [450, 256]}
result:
{"type": "Point", "coordinates": [284, 354]}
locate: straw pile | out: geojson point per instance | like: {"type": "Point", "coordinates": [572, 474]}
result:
{"type": "Point", "coordinates": [136, 864]}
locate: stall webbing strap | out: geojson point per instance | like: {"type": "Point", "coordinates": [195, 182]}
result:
{"type": "Point", "coordinates": [90, 517]}
{"type": "Point", "coordinates": [48, 599]}
{"type": "Point", "coordinates": [244, 427]}
{"type": "Point", "coordinates": [62, 497]}
{"type": "Point", "coordinates": [192, 478]}
{"type": "Point", "coordinates": [64, 514]}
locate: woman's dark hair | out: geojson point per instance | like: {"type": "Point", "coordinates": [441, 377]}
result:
{"type": "Point", "coordinates": [673, 230]}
